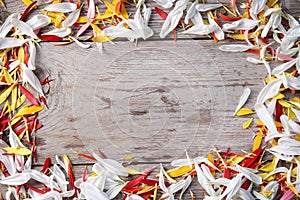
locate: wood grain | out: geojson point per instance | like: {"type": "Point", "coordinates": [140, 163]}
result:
{"type": "Point", "coordinates": [152, 102]}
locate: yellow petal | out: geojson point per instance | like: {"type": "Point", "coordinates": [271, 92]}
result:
{"type": "Point", "coordinates": [285, 103]}
{"type": "Point", "coordinates": [4, 95]}
{"type": "Point", "coordinates": [279, 96]}
{"type": "Point", "coordinates": [247, 123]}
{"type": "Point", "coordinates": [291, 114]}
{"type": "Point", "coordinates": [180, 171]}
{"type": "Point", "coordinates": [19, 102]}
{"type": "Point", "coordinates": [145, 189]}
{"type": "Point", "coordinates": [244, 111]}
{"type": "Point", "coordinates": [237, 159]}
{"type": "Point", "coordinates": [28, 110]}
{"type": "Point", "coordinates": [128, 158]}
{"type": "Point", "coordinates": [19, 151]}
{"type": "Point", "coordinates": [21, 54]}
{"type": "Point", "coordinates": [264, 175]}
{"type": "Point", "coordinates": [28, 2]}
{"type": "Point", "coordinates": [211, 158]}
{"type": "Point", "coordinates": [101, 38]}
{"type": "Point", "coordinates": [257, 141]}
{"type": "Point", "coordinates": [133, 171]}
{"type": "Point", "coordinates": [14, 97]}
{"type": "Point", "coordinates": [7, 76]}
{"type": "Point", "coordinates": [269, 166]}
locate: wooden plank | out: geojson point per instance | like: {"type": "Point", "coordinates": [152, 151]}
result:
{"type": "Point", "coordinates": [150, 101]}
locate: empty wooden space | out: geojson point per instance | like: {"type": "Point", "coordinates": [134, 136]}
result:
{"type": "Point", "coordinates": [152, 101]}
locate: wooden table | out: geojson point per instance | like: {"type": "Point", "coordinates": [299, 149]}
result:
{"type": "Point", "coordinates": [152, 101]}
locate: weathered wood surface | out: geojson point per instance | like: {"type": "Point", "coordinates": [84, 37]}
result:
{"type": "Point", "coordinates": [152, 101]}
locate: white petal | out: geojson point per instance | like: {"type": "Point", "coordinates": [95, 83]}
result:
{"type": "Point", "coordinates": [266, 118]}
{"type": "Point", "coordinates": [60, 32]}
{"type": "Point", "coordinates": [61, 7]}
{"type": "Point", "coordinates": [29, 76]}
{"type": "Point", "coordinates": [191, 12]}
{"type": "Point", "coordinates": [188, 181]}
{"type": "Point", "coordinates": [164, 3]}
{"type": "Point", "coordinates": [245, 195]}
{"type": "Point", "coordinates": [32, 53]}
{"type": "Point", "coordinates": [291, 82]}
{"type": "Point", "coordinates": [260, 196]}
{"type": "Point", "coordinates": [243, 99]}
{"type": "Point", "coordinates": [203, 181]}
{"type": "Point", "coordinates": [38, 21]}
{"type": "Point", "coordinates": [6, 27]}
{"type": "Point", "coordinates": [85, 46]}
{"type": "Point", "coordinates": [277, 171]}
{"type": "Point", "coordinates": [71, 19]}
{"type": "Point", "coordinates": [24, 28]}
{"type": "Point", "coordinates": [269, 91]}
{"type": "Point", "coordinates": [111, 165]}
{"type": "Point", "coordinates": [207, 7]}
{"type": "Point", "coordinates": [173, 18]}
{"type": "Point", "coordinates": [283, 67]}
{"type": "Point", "coordinates": [298, 175]}
{"type": "Point", "coordinates": [241, 24]}
{"type": "Point", "coordinates": [233, 187]}
{"type": "Point", "coordinates": [282, 157]}
{"type": "Point", "coordinates": [207, 173]}
{"type": "Point", "coordinates": [249, 175]}
{"type": "Point", "coordinates": [91, 192]}
{"type": "Point", "coordinates": [219, 34]}
{"type": "Point", "coordinates": [8, 42]}
{"type": "Point", "coordinates": [285, 150]}
{"type": "Point", "coordinates": [198, 30]}
{"type": "Point", "coordinates": [15, 179]}
{"type": "Point", "coordinates": [258, 6]}
{"type": "Point", "coordinates": [292, 21]}
{"type": "Point", "coordinates": [161, 180]}
{"type": "Point", "coordinates": [113, 192]}
{"type": "Point", "coordinates": [297, 113]}
{"type": "Point", "coordinates": [273, 187]}
{"type": "Point", "coordinates": [254, 60]}
{"type": "Point", "coordinates": [133, 197]}
{"type": "Point", "coordinates": [234, 48]}
{"type": "Point", "coordinates": [49, 195]}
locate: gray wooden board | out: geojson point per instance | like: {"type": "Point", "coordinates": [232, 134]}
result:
{"type": "Point", "coordinates": [152, 101]}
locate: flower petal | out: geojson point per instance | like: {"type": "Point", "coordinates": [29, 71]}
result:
{"type": "Point", "coordinates": [61, 7]}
